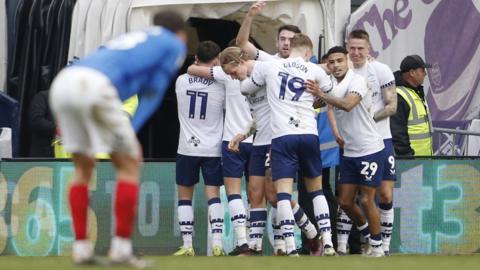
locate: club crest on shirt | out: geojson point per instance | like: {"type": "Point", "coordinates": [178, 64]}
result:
{"type": "Point", "coordinates": [294, 122]}
{"type": "Point", "coordinates": [194, 140]}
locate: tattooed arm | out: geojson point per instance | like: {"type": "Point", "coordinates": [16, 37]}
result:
{"type": "Point", "coordinates": [390, 99]}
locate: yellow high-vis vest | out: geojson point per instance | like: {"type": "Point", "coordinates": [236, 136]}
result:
{"type": "Point", "coordinates": [419, 130]}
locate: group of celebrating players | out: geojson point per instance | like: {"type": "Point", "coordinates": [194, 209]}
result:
{"type": "Point", "coordinates": [267, 132]}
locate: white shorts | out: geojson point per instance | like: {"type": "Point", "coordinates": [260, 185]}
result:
{"type": "Point", "coordinates": [89, 113]}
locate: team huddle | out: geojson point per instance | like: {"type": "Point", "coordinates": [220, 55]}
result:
{"type": "Point", "coordinates": [270, 133]}
{"type": "Point", "coordinates": [242, 112]}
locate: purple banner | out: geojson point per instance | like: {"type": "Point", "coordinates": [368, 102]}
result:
{"type": "Point", "coordinates": [446, 33]}
{"type": "Point", "coordinates": [448, 144]}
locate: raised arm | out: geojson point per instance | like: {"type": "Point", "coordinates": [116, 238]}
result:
{"type": "Point", "coordinates": [244, 31]}
{"type": "Point", "coordinates": [390, 100]}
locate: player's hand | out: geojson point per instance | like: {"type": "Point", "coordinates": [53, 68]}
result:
{"type": "Point", "coordinates": [256, 8]}
{"type": "Point", "coordinates": [319, 103]}
{"type": "Point", "coordinates": [339, 140]}
{"type": "Point", "coordinates": [234, 144]}
{"type": "Point", "coordinates": [313, 88]}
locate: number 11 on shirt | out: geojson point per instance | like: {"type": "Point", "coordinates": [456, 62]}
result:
{"type": "Point", "coordinates": [203, 107]}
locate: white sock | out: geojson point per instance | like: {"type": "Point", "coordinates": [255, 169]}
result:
{"type": "Point", "coordinates": [278, 241]}
{"type": "Point", "coordinates": [247, 224]}
{"type": "Point", "coordinates": [185, 219]}
{"type": "Point", "coordinates": [386, 219]}
{"type": "Point", "coordinates": [365, 231]}
{"type": "Point", "coordinates": [258, 219]}
{"type": "Point", "coordinates": [344, 226]}
{"type": "Point", "coordinates": [82, 250]}
{"type": "Point", "coordinates": [376, 243]}
{"type": "Point", "coordinates": [238, 216]}
{"type": "Point", "coordinates": [322, 216]}
{"type": "Point", "coordinates": [120, 248]}
{"type": "Point", "coordinates": [303, 222]}
{"type": "Point", "coordinates": [215, 213]}
{"type": "Point", "coordinates": [287, 222]}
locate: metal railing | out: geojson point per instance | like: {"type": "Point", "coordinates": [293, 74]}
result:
{"type": "Point", "coordinates": [450, 146]}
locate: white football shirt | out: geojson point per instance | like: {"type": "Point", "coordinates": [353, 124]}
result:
{"type": "Point", "coordinates": [237, 110]}
{"type": "Point", "coordinates": [264, 56]}
{"type": "Point", "coordinates": [292, 107]}
{"type": "Point", "coordinates": [257, 98]}
{"type": "Point", "coordinates": [378, 76]}
{"type": "Point", "coordinates": [357, 127]}
{"type": "Point", "coordinates": [200, 112]}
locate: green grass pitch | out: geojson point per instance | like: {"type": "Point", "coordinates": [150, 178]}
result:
{"type": "Point", "coordinates": [407, 262]}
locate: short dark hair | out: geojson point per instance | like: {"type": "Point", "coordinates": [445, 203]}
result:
{"type": "Point", "coordinates": [337, 49]}
{"type": "Point", "coordinates": [171, 20]}
{"type": "Point", "coordinates": [359, 34]}
{"type": "Point", "coordinates": [289, 27]}
{"type": "Point", "coordinates": [207, 51]}
{"type": "Point", "coordinates": [324, 57]}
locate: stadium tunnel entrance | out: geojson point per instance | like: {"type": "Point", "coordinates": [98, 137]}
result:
{"type": "Point", "coordinates": [159, 137]}
{"type": "Point", "coordinates": [218, 21]}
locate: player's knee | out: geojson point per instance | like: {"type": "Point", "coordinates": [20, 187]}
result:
{"type": "Point", "coordinates": [367, 201]}
{"type": "Point", "coordinates": [256, 197]}
{"type": "Point", "coordinates": [385, 197]}
{"type": "Point", "coordinates": [83, 168]}
{"type": "Point", "coordinates": [212, 191]}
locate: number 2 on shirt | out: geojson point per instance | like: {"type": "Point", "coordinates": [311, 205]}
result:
{"type": "Point", "coordinates": [203, 106]}
{"type": "Point", "coordinates": [294, 84]}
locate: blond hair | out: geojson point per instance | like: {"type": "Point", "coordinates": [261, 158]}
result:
{"type": "Point", "coordinates": [232, 55]}
{"type": "Point", "coordinates": [301, 41]}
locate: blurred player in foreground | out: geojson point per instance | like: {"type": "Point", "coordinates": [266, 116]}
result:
{"type": "Point", "coordinates": [86, 99]}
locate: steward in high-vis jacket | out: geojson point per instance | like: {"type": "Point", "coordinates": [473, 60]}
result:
{"type": "Point", "coordinates": [410, 126]}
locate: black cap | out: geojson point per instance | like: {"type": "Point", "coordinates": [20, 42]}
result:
{"type": "Point", "coordinates": [413, 62]}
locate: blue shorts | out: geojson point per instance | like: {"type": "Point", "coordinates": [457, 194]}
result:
{"type": "Point", "coordinates": [234, 164]}
{"type": "Point", "coordinates": [389, 167]}
{"type": "Point", "coordinates": [291, 153]}
{"type": "Point", "coordinates": [188, 170]}
{"type": "Point", "coordinates": [365, 170]}
{"type": "Point", "coordinates": [259, 160]}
